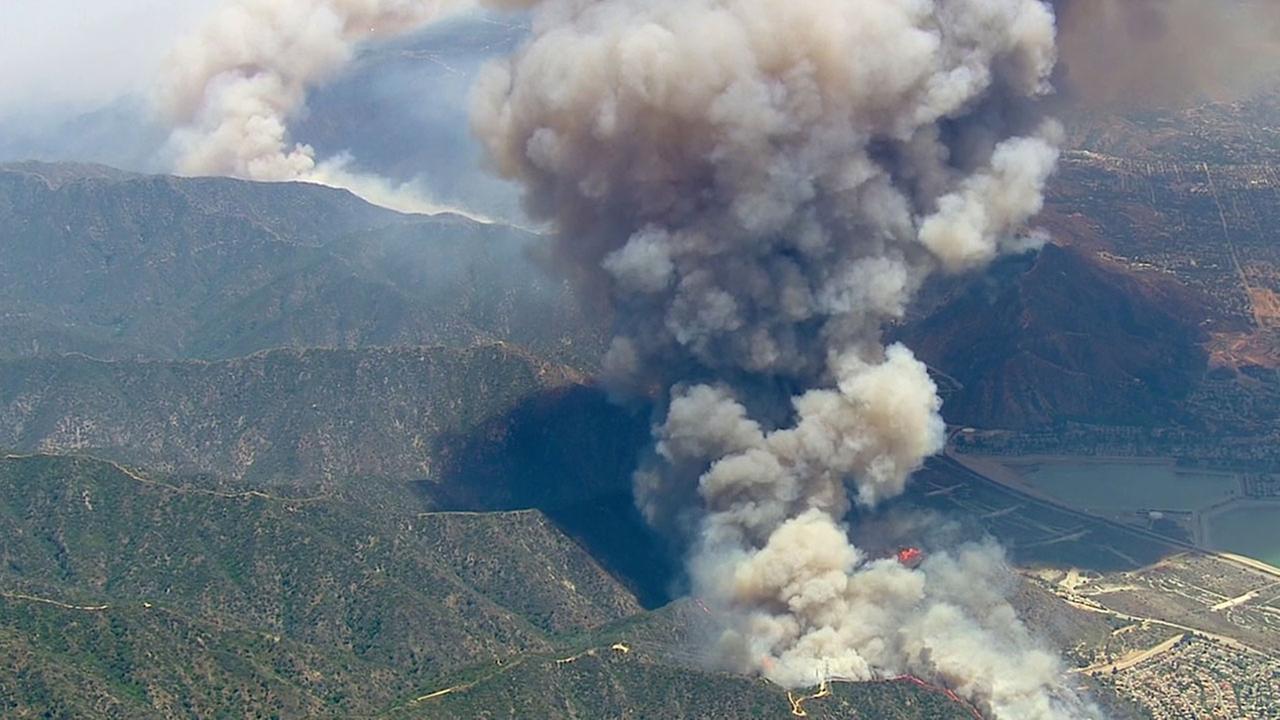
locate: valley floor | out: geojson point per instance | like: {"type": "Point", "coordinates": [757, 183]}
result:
{"type": "Point", "coordinates": [1194, 632]}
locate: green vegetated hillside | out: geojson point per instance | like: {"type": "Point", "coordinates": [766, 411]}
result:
{"type": "Point", "coordinates": [609, 683]}
{"type": "Point", "coordinates": [147, 594]}
{"type": "Point", "coordinates": [127, 594]}
{"type": "Point", "coordinates": [307, 417]}
{"type": "Point", "coordinates": [486, 427]}
{"type": "Point", "coordinates": [125, 266]}
{"type": "Point", "coordinates": [295, 385]}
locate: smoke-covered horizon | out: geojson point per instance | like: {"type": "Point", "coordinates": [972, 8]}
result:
{"type": "Point", "coordinates": [232, 88]}
{"type": "Point", "coordinates": [69, 56]}
{"type": "Point", "coordinates": [418, 80]}
{"type": "Point", "coordinates": [1123, 55]}
{"type": "Point", "coordinates": [83, 91]}
{"type": "Point", "coordinates": [758, 188]}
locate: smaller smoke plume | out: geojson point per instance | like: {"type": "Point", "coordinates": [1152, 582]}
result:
{"type": "Point", "coordinates": [1167, 52]}
{"type": "Point", "coordinates": [232, 88]}
{"type": "Point", "coordinates": [812, 605]}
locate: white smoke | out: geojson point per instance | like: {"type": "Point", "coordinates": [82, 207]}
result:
{"type": "Point", "coordinates": [231, 89]}
{"type": "Point", "coordinates": [758, 186]}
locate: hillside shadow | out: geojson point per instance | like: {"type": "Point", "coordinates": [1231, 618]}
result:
{"type": "Point", "coordinates": [568, 453]}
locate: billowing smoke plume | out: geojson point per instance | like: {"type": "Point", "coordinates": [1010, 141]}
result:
{"type": "Point", "coordinates": [232, 88]}
{"type": "Point", "coordinates": [758, 186]}
{"type": "Point", "coordinates": [1168, 52]}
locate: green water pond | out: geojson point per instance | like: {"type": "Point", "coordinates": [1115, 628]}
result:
{"type": "Point", "coordinates": [1252, 530]}
{"type": "Point", "coordinates": [1115, 487]}
{"type": "Point", "coordinates": [1111, 488]}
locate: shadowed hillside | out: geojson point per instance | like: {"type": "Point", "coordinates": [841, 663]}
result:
{"type": "Point", "coordinates": [1056, 338]}
{"type": "Point", "coordinates": [570, 453]}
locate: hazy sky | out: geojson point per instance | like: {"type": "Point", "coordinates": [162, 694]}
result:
{"type": "Point", "coordinates": [77, 54]}
{"type": "Point", "coordinates": [64, 63]}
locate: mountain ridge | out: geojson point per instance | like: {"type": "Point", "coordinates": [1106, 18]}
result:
{"type": "Point", "coordinates": [131, 266]}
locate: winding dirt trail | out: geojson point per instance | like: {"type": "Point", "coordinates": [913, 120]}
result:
{"type": "Point", "coordinates": [54, 603]}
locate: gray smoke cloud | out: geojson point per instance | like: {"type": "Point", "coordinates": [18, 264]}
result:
{"type": "Point", "coordinates": [67, 57]}
{"type": "Point", "coordinates": [1139, 53]}
{"type": "Point", "coordinates": [757, 187]}
{"type": "Point", "coordinates": [231, 88]}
